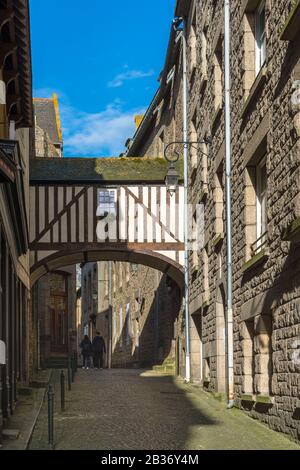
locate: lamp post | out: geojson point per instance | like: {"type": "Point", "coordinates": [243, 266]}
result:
{"type": "Point", "coordinates": [171, 180]}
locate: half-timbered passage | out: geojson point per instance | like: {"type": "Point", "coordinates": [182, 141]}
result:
{"type": "Point", "coordinates": [79, 214]}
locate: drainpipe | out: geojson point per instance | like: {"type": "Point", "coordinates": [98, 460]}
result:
{"type": "Point", "coordinates": [229, 316]}
{"type": "Point", "coordinates": [110, 313]}
{"type": "Point", "coordinates": [186, 224]}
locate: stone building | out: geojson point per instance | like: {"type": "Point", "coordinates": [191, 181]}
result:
{"type": "Point", "coordinates": [161, 125]}
{"type": "Point", "coordinates": [145, 317]}
{"type": "Point", "coordinates": [265, 110]}
{"type": "Point", "coordinates": [48, 133]}
{"type": "Point", "coordinates": [54, 295]}
{"type": "Point", "coordinates": [95, 299]}
{"type": "Point", "coordinates": [16, 119]}
{"type": "Point", "coordinates": [136, 310]}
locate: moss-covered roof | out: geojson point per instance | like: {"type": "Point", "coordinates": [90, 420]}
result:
{"type": "Point", "coordinates": [100, 170]}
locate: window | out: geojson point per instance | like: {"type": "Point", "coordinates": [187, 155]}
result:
{"type": "Point", "coordinates": [219, 200]}
{"type": "Point", "coordinates": [261, 204]}
{"type": "Point", "coordinates": [218, 75]}
{"type": "Point", "coordinates": [257, 355]}
{"type": "Point", "coordinates": [106, 203]}
{"type": "Point", "coordinates": [203, 54]}
{"type": "Point", "coordinates": [121, 327]}
{"type": "Point", "coordinates": [128, 324]}
{"type": "Point", "coordinates": [247, 335]}
{"type": "Point", "coordinates": [260, 35]}
{"type": "Point", "coordinates": [114, 326]}
{"type": "Point", "coordinates": [256, 203]}
{"type": "Point", "coordinates": [193, 45]}
{"type": "Point", "coordinates": [205, 268]}
{"type": "Point", "coordinates": [193, 148]}
{"type": "Point", "coordinates": [195, 251]}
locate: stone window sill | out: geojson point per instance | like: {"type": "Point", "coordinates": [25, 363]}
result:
{"type": "Point", "coordinates": [292, 24]}
{"type": "Point", "coordinates": [216, 118]}
{"type": "Point", "coordinates": [256, 260]}
{"type": "Point", "coordinates": [204, 194]}
{"type": "Point", "coordinates": [218, 240]}
{"type": "Point", "coordinates": [264, 399]}
{"type": "Point", "coordinates": [193, 172]}
{"type": "Point", "coordinates": [254, 91]}
{"type": "Point", "coordinates": [248, 397]}
{"type": "Point", "coordinates": [203, 82]}
{"type": "Point", "coordinates": [292, 233]}
{"type": "Point", "coordinates": [195, 269]}
{"type": "Point", "coordinates": [205, 299]}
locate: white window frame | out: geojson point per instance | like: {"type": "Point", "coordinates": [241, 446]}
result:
{"type": "Point", "coordinates": [261, 200]}
{"type": "Point", "coordinates": [106, 202]}
{"type": "Point", "coordinates": [260, 38]}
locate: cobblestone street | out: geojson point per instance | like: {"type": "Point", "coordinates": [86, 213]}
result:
{"type": "Point", "coordinates": [134, 409]}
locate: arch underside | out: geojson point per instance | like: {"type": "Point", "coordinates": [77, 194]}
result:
{"type": "Point", "coordinates": [152, 259]}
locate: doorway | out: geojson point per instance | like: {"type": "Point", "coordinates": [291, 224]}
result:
{"type": "Point", "coordinates": [58, 314]}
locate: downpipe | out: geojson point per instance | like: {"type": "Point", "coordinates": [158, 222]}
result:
{"type": "Point", "coordinates": [229, 313]}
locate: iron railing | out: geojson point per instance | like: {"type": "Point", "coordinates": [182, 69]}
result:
{"type": "Point", "coordinates": [259, 244]}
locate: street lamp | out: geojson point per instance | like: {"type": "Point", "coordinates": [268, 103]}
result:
{"type": "Point", "coordinates": [172, 176]}
{"type": "Point", "coordinates": [171, 180]}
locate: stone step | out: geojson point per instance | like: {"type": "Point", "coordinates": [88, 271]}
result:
{"type": "Point", "coordinates": [11, 434]}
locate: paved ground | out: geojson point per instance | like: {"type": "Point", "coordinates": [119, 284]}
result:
{"type": "Point", "coordinates": [121, 409]}
{"type": "Point", "coordinates": [26, 413]}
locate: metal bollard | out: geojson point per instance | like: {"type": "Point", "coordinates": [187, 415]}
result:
{"type": "Point", "coordinates": [62, 391]}
{"type": "Point", "coordinates": [51, 416]}
{"type": "Point", "coordinates": [73, 368]}
{"type": "Point", "coordinates": [76, 361]}
{"type": "Point", "coordinates": [69, 374]}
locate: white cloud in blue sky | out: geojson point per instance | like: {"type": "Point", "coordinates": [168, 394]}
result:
{"type": "Point", "coordinates": [93, 134]}
{"type": "Point", "coordinates": [119, 79]}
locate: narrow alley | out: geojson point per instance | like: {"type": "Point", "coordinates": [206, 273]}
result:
{"type": "Point", "coordinates": [137, 409]}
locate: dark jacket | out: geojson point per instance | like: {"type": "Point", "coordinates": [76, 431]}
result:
{"type": "Point", "coordinates": [99, 344]}
{"type": "Point", "coordinates": [86, 347]}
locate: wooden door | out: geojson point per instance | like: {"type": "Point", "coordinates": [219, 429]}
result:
{"type": "Point", "coordinates": [59, 325]}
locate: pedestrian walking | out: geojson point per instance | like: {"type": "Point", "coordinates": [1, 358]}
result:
{"type": "Point", "coordinates": [86, 351]}
{"type": "Point", "coordinates": [98, 350]}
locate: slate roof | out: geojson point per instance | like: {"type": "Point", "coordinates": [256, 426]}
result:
{"type": "Point", "coordinates": [100, 170]}
{"type": "Point", "coordinates": [44, 111]}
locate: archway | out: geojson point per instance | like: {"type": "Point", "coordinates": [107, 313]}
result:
{"type": "Point", "coordinates": [87, 254]}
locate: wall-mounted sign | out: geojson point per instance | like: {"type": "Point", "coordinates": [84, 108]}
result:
{"type": "Point", "coordinates": [2, 353]}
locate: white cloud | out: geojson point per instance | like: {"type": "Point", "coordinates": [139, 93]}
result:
{"type": "Point", "coordinates": [93, 134]}
{"type": "Point", "coordinates": [97, 134]}
{"type": "Point", "coordinates": [119, 79]}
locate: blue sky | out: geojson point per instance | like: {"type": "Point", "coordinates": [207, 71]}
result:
{"type": "Point", "coordinates": [103, 61]}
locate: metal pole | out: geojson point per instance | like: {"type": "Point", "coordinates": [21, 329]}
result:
{"type": "Point", "coordinates": [69, 374]}
{"type": "Point", "coordinates": [186, 224]}
{"type": "Point", "coordinates": [73, 368]}
{"type": "Point", "coordinates": [51, 416]}
{"type": "Point", "coordinates": [110, 332]}
{"type": "Point", "coordinates": [62, 391]}
{"type": "Point", "coordinates": [76, 361]}
{"type": "Point", "coordinates": [229, 316]}
{"type": "Point", "coordinates": [1, 413]}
